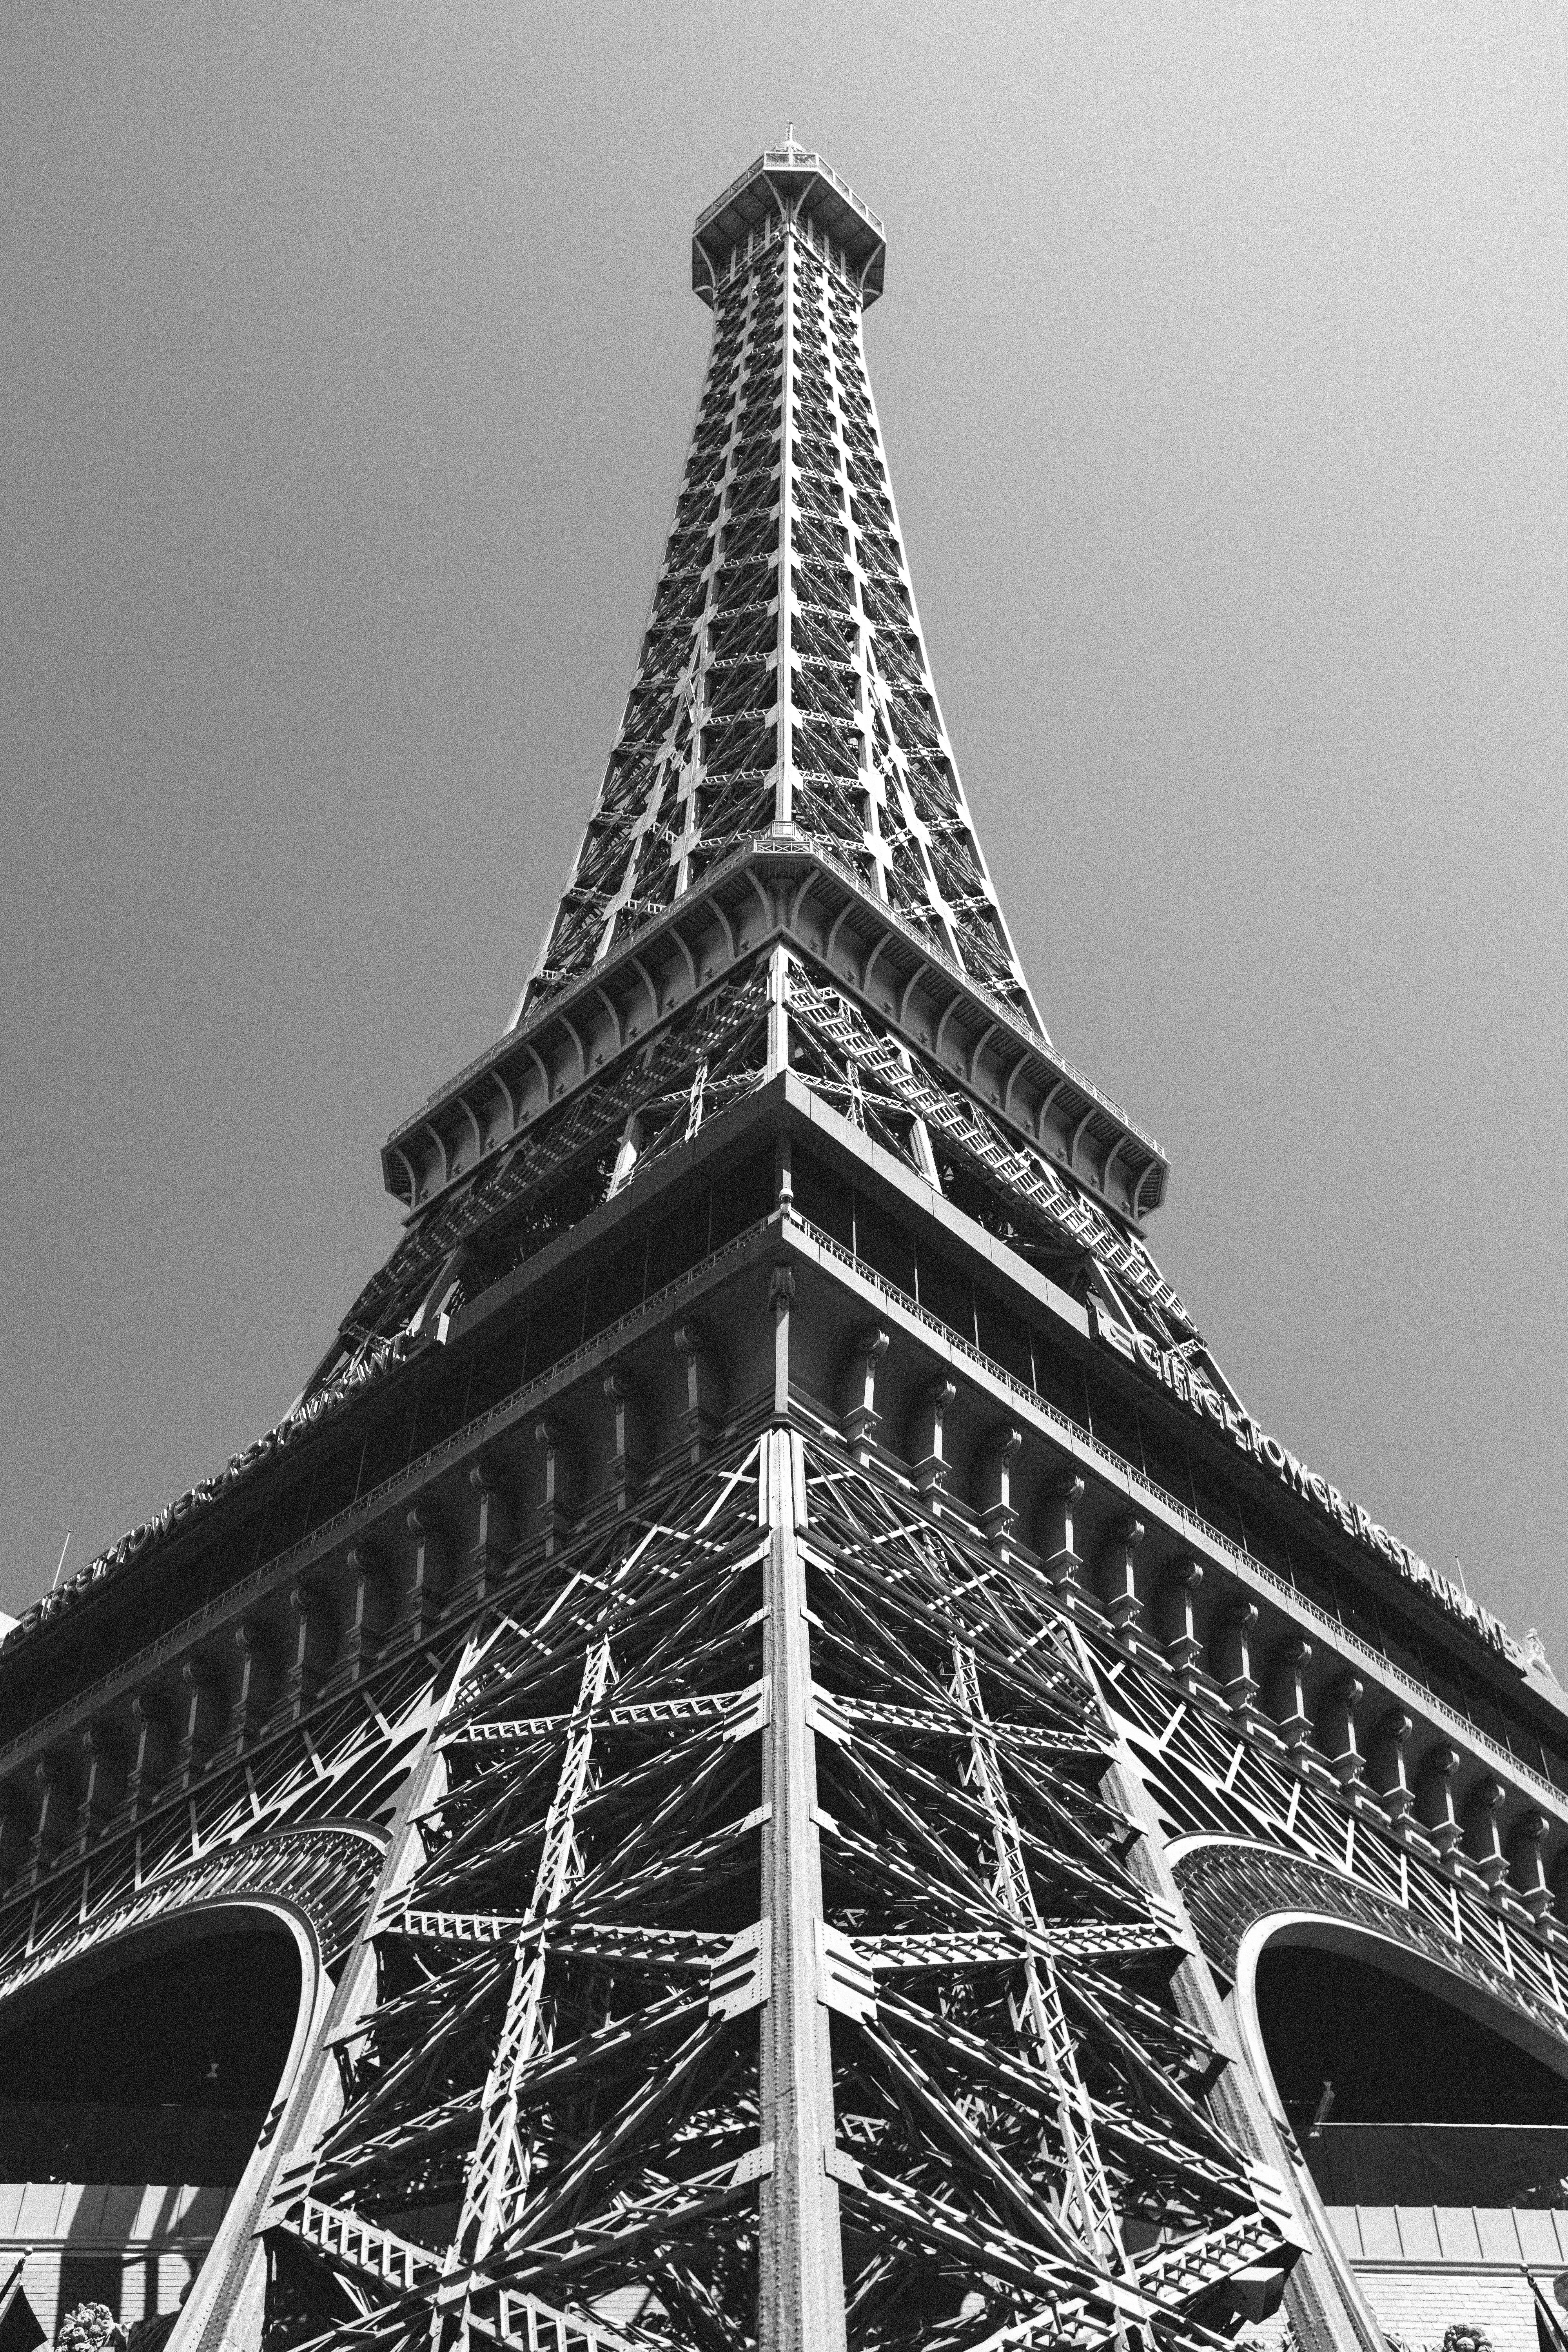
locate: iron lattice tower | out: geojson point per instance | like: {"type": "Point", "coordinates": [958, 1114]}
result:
{"type": "Point", "coordinates": [769, 1668]}
{"type": "Point", "coordinates": [699, 1942]}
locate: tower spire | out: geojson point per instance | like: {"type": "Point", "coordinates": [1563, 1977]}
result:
{"type": "Point", "coordinates": [783, 689]}
{"type": "Point", "coordinates": [770, 1667]}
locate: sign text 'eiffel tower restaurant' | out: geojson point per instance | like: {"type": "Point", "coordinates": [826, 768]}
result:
{"type": "Point", "coordinates": [1188, 1384]}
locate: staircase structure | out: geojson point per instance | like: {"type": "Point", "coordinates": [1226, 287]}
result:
{"type": "Point", "coordinates": [776, 1686]}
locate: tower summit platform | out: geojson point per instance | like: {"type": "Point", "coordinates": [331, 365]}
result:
{"type": "Point", "coordinates": [788, 184]}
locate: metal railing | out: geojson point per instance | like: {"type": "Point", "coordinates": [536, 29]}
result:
{"type": "Point", "coordinates": [790, 158]}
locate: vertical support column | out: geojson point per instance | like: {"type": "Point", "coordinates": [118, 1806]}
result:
{"type": "Point", "coordinates": [1483, 1844]}
{"type": "Point", "coordinates": [154, 1753]}
{"type": "Point", "coordinates": [1288, 1691]}
{"type": "Point", "coordinates": [695, 1345]}
{"type": "Point", "coordinates": [315, 1638]}
{"type": "Point", "coordinates": [859, 1415]}
{"type": "Point", "coordinates": [105, 1783]}
{"type": "Point", "coordinates": [1118, 1587]}
{"type": "Point", "coordinates": [492, 1536]}
{"type": "Point", "coordinates": [1184, 1645]}
{"type": "Point", "coordinates": [801, 2299]}
{"type": "Point", "coordinates": [628, 1466]}
{"type": "Point", "coordinates": [781, 1299]}
{"type": "Point", "coordinates": [248, 1709]}
{"type": "Point", "coordinates": [1337, 1729]}
{"type": "Point", "coordinates": [1057, 1537]}
{"type": "Point", "coordinates": [783, 1171]}
{"type": "Point", "coordinates": [227, 2305]}
{"type": "Point", "coordinates": [925, 1446]}
{"type": "Point", "coordinates": [778, 1008]}
{"type": "Point", "coordinates": [422, 1602]}
{"type": "Point", "coordinates": [1390, 1780]}
{"type": "Point", "coordinates": [1526, 1856]}
{"type": "Point", "coordinates": [372, 1608]}
{"type": "Point", "coordinates": [1435, 1797]}
{"type": "Point", "coordinates": [1088, 2204]}
{"type": "Point", "coordinates": [556, 1515]}
{"type": "Point", "coordinates": [783, 804]}
{"type": "Point", "coordinates": [56, 1805]}
{"type": "Point", "coordinates": [994, 1493]}
{"type": "Point", "coordinates": [1231, 1647]}
{"type": "Point", "coordinates": [203, 1705]}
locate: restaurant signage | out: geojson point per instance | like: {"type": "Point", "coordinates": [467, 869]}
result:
{"type": "Point", "coordinates": [1190, 1386]}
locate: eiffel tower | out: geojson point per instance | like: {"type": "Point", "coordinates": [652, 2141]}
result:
{"type": "Point", "coordinates": [743, 1766]}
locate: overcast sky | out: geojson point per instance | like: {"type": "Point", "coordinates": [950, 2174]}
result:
{"type": "Point", "coordinates": [348, 362]}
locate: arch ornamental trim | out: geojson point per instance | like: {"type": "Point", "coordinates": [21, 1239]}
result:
{"type": "Point", "coordinates": [1231, 1886]}
{"type": "Point", "coordinates": [325, 1876]}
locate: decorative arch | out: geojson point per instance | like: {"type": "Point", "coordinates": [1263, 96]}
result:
{"type": "Point", "coordinates": [322, 1878]}
{"type": "Point", "coordinates": [1233, 1886]}
{"type": "Point", "coordinates": [315, 1884]}
{"type": "Point", "coordinates": [1242, 1895]}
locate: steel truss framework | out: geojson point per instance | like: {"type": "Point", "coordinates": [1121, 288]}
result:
{"type": "Point", "coordinates": [764, 1899]}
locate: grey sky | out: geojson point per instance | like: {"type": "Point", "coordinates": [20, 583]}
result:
{"type": "Point", "coordinates": [348, 364]}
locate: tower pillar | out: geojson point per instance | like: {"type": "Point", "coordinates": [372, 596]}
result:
{"type": "Point", "coordinates": [1183, 1647]}
{"type": "Point", "coordinates": [802, 2277]}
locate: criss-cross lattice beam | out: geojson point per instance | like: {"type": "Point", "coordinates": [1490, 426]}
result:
{"type": "Point", "coordinates": [1089, 2202]}
{"type": "Point", "coordinates": [497, 2168]}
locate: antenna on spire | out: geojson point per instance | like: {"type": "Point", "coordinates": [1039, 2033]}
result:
{"type": "Point", "coordinates": [60, 1563]}
{"type": "Point", "coordinates": [789, 136]}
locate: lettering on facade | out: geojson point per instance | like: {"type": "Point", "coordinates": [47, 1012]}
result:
{"type": "Point", "coordinates": [1188, 1384]}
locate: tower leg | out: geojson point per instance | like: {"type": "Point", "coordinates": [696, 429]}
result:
{"type": "Point", "coordinates": [227, 2309]}
{"type": "Point", "coordinates": [1326, 2308]}
{"type": "Point", "coordinates": [801, 2290]}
